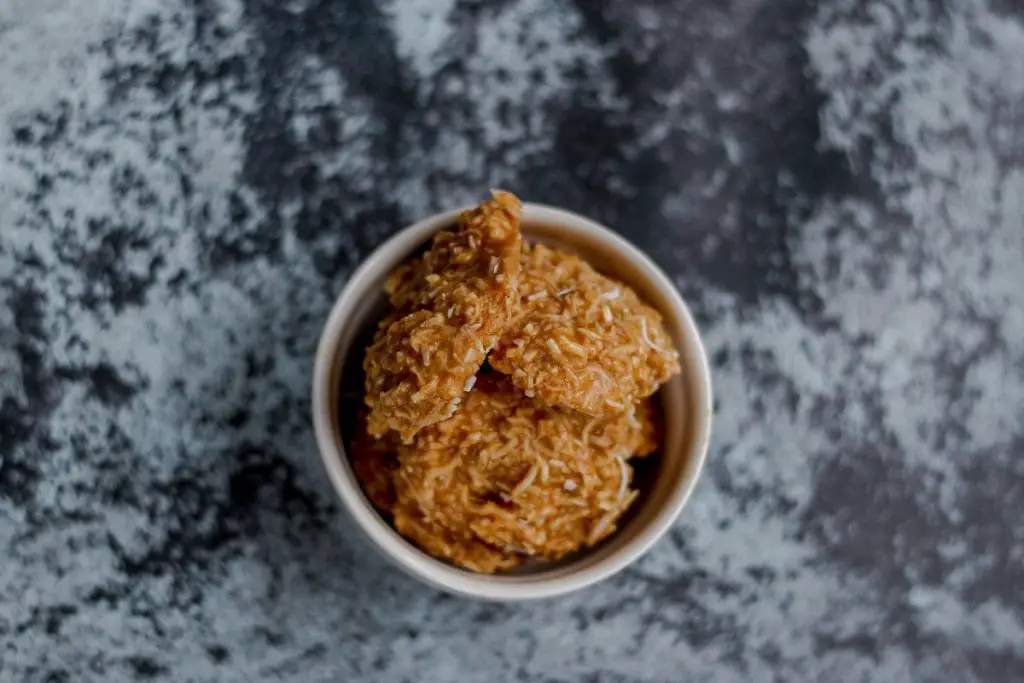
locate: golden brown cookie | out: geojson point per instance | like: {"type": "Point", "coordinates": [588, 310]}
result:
{"type": "Point", "coordinates": [520, 476]}
{"type": "Point", "coordinates": [582, 340]}
{"type": "Point", "coordinates": [452, 306]}
{"type": "Point", "coordinates": [463, 551]}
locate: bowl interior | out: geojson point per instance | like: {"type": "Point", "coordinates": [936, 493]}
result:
{"type": "Point", "coordinates": [664, 478]}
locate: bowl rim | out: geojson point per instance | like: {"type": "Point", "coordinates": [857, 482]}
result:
{"type": "Point", "coordinates": [437, 573]}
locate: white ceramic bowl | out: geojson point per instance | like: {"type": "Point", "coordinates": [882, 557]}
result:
{"type": "Point", "coordinates": [665, 479]}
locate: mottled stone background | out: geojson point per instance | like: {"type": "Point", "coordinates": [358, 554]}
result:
{"type": "Point", "coordinates": [837, 187]}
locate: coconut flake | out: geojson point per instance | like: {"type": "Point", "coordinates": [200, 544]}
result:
{"type": "Point", "coordinates": [623, 477]}
{"type": "Point", "coordinates": [527, 480]}
{"type": "Point", "coordinates": [646, 338]}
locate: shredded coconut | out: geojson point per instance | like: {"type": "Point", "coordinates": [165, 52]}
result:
{"type": "Point", "coordinates": [539, 514]}
{"type": "Point", "coordinates": [624, 480]}
{"type": "Point", "coordinates": [597, 363]}
{"type": "Point", "coordinates": [453, 276]}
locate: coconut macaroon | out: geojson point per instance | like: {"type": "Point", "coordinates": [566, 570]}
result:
{"type": "Point", "coordinates": [520, 476]}
{"type": "Point", "coordinates": [462, 550]}
{"type": "Point", "coordinates": [452, 305]}
{"type": "Point", "coordinates": [582, 340]}
{"type": "Point", "coordinates": [474, 265]}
